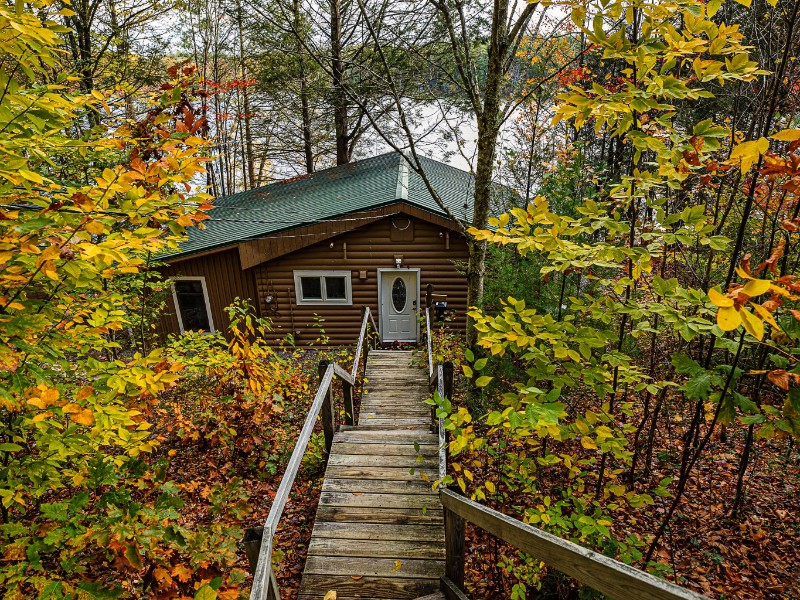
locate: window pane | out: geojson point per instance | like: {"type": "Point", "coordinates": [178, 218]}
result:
{"type": "Point", "coordinates": [399, 294]}
{"type": "Point", "coordinates": [336, 288]}
{"type": "Point", "coordinates": [311, 288]}
{"type": "Point", "coordinates": [192, 305]}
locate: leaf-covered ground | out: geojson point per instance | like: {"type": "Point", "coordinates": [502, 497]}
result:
{"type": "Point", "coordinates": [227, 459]}
{"type": "Point", "coordinates": [754, 556]}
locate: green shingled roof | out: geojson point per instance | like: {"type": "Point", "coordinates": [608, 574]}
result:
{"type": "Point", "coordinates": [328, 194]}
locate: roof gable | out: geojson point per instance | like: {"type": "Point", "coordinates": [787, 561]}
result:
{"type": "Point", "coordinates": [328, 195]}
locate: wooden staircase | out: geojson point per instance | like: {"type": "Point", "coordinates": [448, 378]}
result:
{"type": "Point", "coordinates": [379, 529]}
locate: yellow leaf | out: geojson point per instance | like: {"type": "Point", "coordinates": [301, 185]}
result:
{"type": "Point", "coordinates": [94, 227]}
{"type": "Point", "coordinates": [85, 417]}
{"type": "Point", "coordinates": [718, 299]}
{"type": "Point", "coordinates": [42, 416]}
{"type": "Point", "coordinates": [331, 595]}
{"type": "Point", "coordinates": [749, 152]}
{"type": "Point", "coordinates": [490, 487]}
{"type": "Point", "coordinates": [617, 490]}
{"type": "Point", "coordinates": [71, 408]}
{"type": "Point", "coordinates": [787, 135]}
{"type": "Point", "coordinates": [49, 395]}
{"type": "Point", "coordinates": [728, 318]}
{"type": "Point", "coordinates": [764, 314]}
{"type": "Point", "coordinates": [397, 565]}
{"type": "Point", "coordinates": [752, 324]}
{"type": "Point", "coordinates": [588, 443]}
{"type": "Point", "coordinates": [756, 287]}
{"type": "Point", "coordinates": [49, 269]}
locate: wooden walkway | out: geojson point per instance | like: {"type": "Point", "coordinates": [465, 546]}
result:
{"type": "Point", "coordinates": [379, 529]}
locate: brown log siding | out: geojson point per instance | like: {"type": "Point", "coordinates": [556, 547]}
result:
{"type": "Point", "coordinates": [225, 281]}
{"type": "Point", "coordinates": [368, 248]}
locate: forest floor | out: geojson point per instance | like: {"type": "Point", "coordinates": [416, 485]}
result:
{"type": "Point", "coordinates": [753, 556]}
{"type": "Point", "coordinates": [230, 480]}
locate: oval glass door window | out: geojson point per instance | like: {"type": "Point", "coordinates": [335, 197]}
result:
{"type": "Point", "coordinates": [399, 294]}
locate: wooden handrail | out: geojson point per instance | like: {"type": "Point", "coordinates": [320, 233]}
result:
{"type": "Point", "coordinates": [374, 327]}
{"type": "Point", "coordinates": [265, 585]}
{"type": "Point", "coordinates": [440, 379]}
{"type": "Point", "coordinates": [440, 385]}
{"type": "Point", "coordinates": [264, 578]}
{"type": "Point", "coordinates": [365, 314]}
{"type": "Point", "coordinates": [606, 575]}
{"type": "Point", "coordinates": [430, 343]}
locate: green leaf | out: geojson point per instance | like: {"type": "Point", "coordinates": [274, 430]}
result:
{"type": "Point", "coordinates": [752, 419]}
{"type": "Point", "coordinates": [133, 556]}
{"type": "Point", "coordinates": [483, 381]}
{"type": "Point", "coordinates": [685, 365]}
{"type": "Point", "coordinates": [10, 447]}
{"type": "Point", "coordinates": [480, 364]}
{"type": "Point", "coordinates": [205, 593]}
{"type": "Point", "coordinates": [698, 387]}
{"type": "Point", "coordinates": [469, 354]}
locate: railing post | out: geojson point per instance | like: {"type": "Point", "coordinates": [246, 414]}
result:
{"type": "Point", "coordinates": [273, 591]}
{"type": "Point", "coordinates": [368, 339]}
{"type": "Point", "coordinates": [434, 419]}
{"type": "Point", "coordinates": [454, 548]}
{"type": "Point", "coordinates": [349, 410]}
{"type": "Point", "coordinates": [448, 380]}
{"type": "Point", "coordinates": [428, 295]}
{"type": "Point", "coordinates": [326, 412]}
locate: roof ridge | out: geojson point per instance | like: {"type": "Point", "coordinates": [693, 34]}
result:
{"type": "Point", "coordinates": [402, 180]}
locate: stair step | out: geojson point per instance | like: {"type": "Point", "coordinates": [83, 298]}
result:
{"type": "Point", "coordinates": [379, 527]}
{"type": "Point", "coordinates": [436, 596]}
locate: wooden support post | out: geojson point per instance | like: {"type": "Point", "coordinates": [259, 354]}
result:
{"type": "Point", "coordinates": [454, 548]}
{"type": "Point", "coordinates": [368, 342]}
{"type": "Point", "coordinates": [349, 410]}
{"type": "Point", "coordinates": [327, 413]}
{"type": "Point", "coordinates": [448, 380]}
{"type": "Point", "coordinates": [273, 591]}
{"type": "Point", "coordinates": [428, 295]}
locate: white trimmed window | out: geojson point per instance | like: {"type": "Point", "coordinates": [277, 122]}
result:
{"type": "Point", "coordinates": [191, 304]}
{"type": "Point", "coordinates": [323, 287]}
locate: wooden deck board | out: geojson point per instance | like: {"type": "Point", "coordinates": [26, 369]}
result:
{"type": "Point", "coordinates": [379, 531]}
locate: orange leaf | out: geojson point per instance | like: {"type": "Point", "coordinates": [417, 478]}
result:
{"type": "Point", "coordinates": [85, 417]}
{"type": "Point", "coordinates": [84, 392]}
{"type": "Point", "coordinates": [182, 572]}
{"type": "Point", "coordinates": [780, 378]}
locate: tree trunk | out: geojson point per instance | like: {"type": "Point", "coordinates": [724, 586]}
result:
{"type": "Point", "coordinates": [248, 134]}
{"type": "Point", "coordinates": [488, 129]}
{"type": "Point", "coordinates": [308, 150]}
{"type": "Point", "coordinates": [340, 120]}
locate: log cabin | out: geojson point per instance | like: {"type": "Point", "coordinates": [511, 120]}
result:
{"type": "Point", "coordinates": [309, 252]}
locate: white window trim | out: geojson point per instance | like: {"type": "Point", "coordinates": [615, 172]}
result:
{"type": "Point", "coordinates": [202, 281]}
{"type": "Point", "coordinates": [348, 288]}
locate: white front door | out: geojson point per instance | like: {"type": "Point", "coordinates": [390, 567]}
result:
{"type": "Point", "coordinates": [398, 304]}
